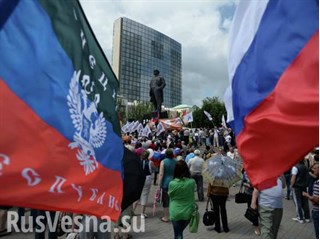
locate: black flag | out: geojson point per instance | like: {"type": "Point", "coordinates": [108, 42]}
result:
{"type": "Point", "coordinates": [134, 178]}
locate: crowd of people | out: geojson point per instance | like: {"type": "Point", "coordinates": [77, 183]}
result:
{"type": "Point", "coordinates": [173, 162]}
{"type": "Point", "coordinates": [177, 148]}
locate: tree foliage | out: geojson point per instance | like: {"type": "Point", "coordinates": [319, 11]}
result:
{"type": "Point", "coordinates": [212, 105]}
{"type": "Point", "coordinates": [138, 110]}
{"type": "Point", "coordinates": [216, 109]}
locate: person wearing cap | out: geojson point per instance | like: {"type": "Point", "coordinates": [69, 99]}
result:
{"type": "Point", "coordinates": [190, 155]}
{"type": "Point", "coordinates": [176, 153]}
{"type": "Point", "coordinates": [195, 165]}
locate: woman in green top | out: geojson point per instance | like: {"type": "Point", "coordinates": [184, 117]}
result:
{"type": "Point", "coordinates": [182, 201]}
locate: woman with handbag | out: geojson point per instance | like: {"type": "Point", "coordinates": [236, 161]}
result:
{"type": "Point", "coordinates": [248, 190]}
{"type": "Point", "coordinates": [182, 201]}
{"type": "Point", "coordinates": [219, 197]}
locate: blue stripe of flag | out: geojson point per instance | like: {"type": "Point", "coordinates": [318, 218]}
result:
{"type": "Point", "coordinates": [285, 28]}
{"type": "Point", "coordinates": [37, 69]}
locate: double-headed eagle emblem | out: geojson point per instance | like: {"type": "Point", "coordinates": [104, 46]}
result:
{"type": "Point", "coordinates": [91, 130]}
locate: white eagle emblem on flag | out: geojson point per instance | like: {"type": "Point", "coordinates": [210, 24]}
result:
{"type": "Point", "coordinates": [91, 130]}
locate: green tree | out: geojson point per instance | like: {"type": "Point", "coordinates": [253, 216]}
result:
{"type": "Point", "coordinates": [216, 109]}
{"type": "Point", "coordinates": [137, 110]}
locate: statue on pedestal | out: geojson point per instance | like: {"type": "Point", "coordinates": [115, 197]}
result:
{"type": "Point", "coordinates": [157, 85]}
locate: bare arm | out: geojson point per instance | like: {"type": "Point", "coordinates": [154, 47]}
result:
{"type": "Point", "coordinates": [312, 175]}
{"type": "Point", "coordinates": [313, 199]}
{"type": "Point", "coordinates": [161, 173]}
{"type": "Point", "coordinates": [254, 199]}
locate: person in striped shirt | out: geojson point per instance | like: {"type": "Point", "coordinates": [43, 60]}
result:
{"type": "Point", "coordinates": [315, 199]}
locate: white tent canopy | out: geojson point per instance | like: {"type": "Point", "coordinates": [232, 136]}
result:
{"type": "Point", "coordinates": [182, 106]}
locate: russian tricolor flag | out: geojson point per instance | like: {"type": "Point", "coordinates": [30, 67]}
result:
{"type": "Point", "coordinates": [273, 98]}
{"type": "Point", "coordinates": [60, 144]}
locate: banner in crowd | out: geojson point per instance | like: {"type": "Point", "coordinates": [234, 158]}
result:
{"type": "Point", "coordinates": [160, 128]}
{"type": "Point", "coordinates": [273, 98]}
{"type": "Point", "coordinates": [146, 131]}
{"type": "Point", "coordinates": [174, 123]}
{"type": "Point", "coordinates": [60, 144]}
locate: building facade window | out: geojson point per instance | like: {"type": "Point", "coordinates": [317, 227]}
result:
{"type": "Point", "coordinates": [141, 50]}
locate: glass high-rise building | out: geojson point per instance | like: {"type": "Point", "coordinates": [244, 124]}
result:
{"type": "Point", "coordinates": [137, 51]}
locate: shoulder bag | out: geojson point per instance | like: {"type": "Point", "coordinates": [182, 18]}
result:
{"type": "Point", "coordinates": [208, 216]}
{"type": "Point", "coordinates": [194, 221]}
{"type": "Point", "coordinates": [241, 197]}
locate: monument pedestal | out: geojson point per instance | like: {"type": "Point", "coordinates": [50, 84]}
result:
{"type": "Point", "coordinates": [149, 116]}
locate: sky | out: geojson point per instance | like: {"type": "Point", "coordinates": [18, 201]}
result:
{"type": "Point", "coordinates": [200, 26]}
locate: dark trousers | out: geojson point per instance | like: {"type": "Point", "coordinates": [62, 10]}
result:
{"type": "Point", "coordinates": [310, 181]}
{"type": "Point", "coordinates": [288, 177]}
{"type": "Point", "coordinates": [155, 176]}
{"type": "Point", "coordinates": [302, 203]}
{"type": "Point", "coordinates": [219, 207]}
{"type": "Point", "coordinates": [52, 232]}
{"type": "Point", "coordinates": [178, 227]}
{"type": "Point", "coordinates": [315, 219]}
{"type": "Point", "coordinates": [199, 181]}
{"type": "Point", "coordinates": [186, 140]}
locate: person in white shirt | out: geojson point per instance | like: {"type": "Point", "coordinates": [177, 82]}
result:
{"type": "Point", "coordinates": [228, 139]}
{"type": "Point", "coordinates": [270, 208]}
{"type": "Point", "coordinates": [231, 153]}
{"type": "Point", "coordinates": [216, 137]}
{"type": "Point", "coordinates": [195, 165]}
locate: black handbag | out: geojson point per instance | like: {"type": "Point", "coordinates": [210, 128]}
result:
{"type": "Point", "coordinates": [208, 216]}
{"type": "Point", "coordinates": [241, 197]}
{"type": "Point", "coordinates": [252, 215]}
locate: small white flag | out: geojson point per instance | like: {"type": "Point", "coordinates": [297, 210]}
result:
{"type": "Point", "coordinates": [140, 128]}
{"type": "Point", "coordinates": [134, 127]}
{"type": "Point", "coordinates": [160, 129]}
{"type": "Point", "coordinates": [188, 117]}
{"type": "Point", "coordinates": [223, 123]}
{"type": "Point", "coordinates": [208, 115]}
{"type": "Point", "coordinates": [125, 127]}
{"type": "Point", "coordinates": [140, 131]}
{"type": "Point", "coordinates": [130, 127]}
{"type": "Point", "coordinates": [146, 131]}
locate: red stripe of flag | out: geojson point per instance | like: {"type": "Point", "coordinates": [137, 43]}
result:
{"type": "Point", "coordinates": [287, 119]}
{"type": "Point", "coordinates": [40, 155]}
